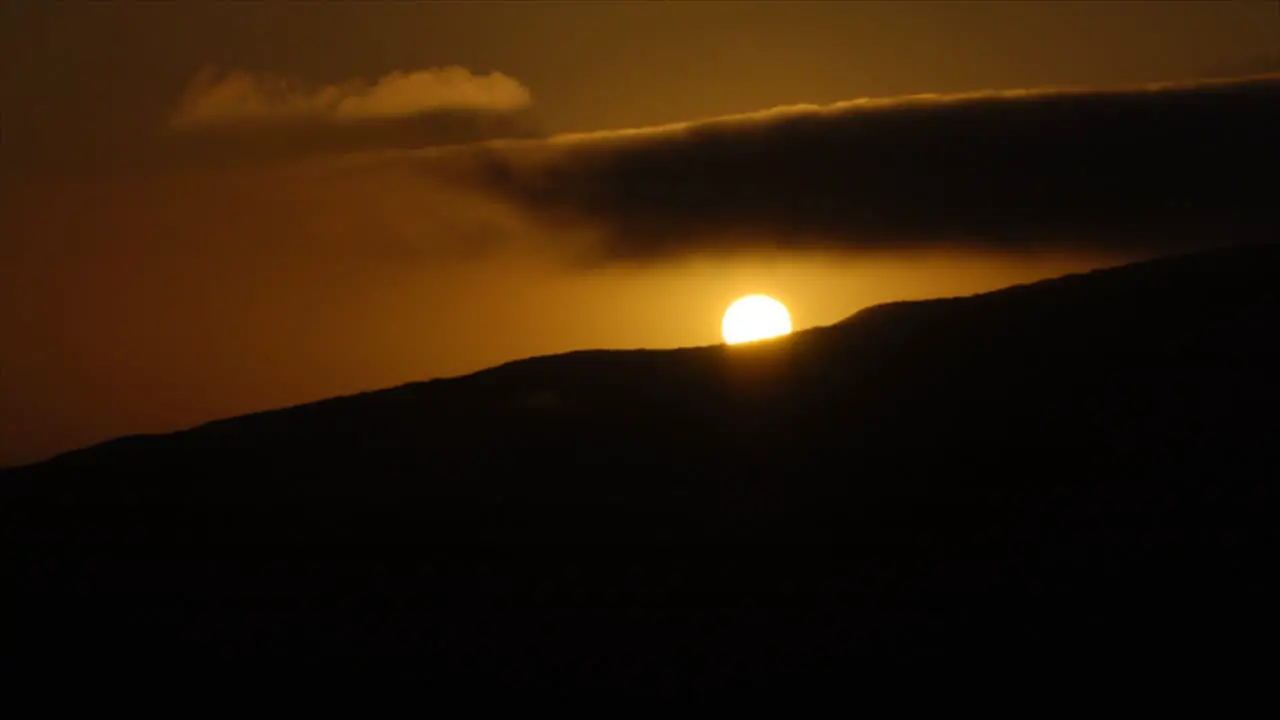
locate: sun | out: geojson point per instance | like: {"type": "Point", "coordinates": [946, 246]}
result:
{"type": "Point", "coordinates": [754, 317]}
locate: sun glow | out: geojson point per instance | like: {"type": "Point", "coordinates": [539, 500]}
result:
{"type": "Point", "coordinates": [754, 317]}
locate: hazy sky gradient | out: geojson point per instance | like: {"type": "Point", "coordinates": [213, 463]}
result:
{"type": "Point", "coordinates": [153, 277]}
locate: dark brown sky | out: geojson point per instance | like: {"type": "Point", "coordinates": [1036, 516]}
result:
{"type": "Point", "coordinates": [210, 208]}
{"type": "Point", "coordinates": [78, 73]}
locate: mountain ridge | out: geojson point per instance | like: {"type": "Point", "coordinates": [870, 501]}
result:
{"type": "Point", "coordinates": [1051, 469]}
{"type": "Point", "coordinates": [863, 315]}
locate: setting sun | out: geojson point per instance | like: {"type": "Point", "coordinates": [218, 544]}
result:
{"type": "Point", "coordinates": [754, 317]}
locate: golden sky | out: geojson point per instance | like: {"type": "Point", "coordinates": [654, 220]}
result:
{"type": "Point", "coordinates": [213, 208]}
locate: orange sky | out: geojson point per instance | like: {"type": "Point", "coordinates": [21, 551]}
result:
{"type": "Point", "coordinates": [153, 278]}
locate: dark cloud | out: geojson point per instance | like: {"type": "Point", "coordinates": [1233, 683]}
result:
{"type": "Point", "coordinates": [1155, 166]}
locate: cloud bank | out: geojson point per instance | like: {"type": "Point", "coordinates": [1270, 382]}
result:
{"type": "Point", "coordinates": [1145, 168]}
{"type": "Point", "coordinates": [237, 97]}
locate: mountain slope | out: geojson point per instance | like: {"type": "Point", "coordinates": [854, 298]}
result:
{"type": "Point", "coordinates": [1083, 447]}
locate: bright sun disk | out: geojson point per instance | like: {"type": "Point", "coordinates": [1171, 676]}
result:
{"type": "Point", "coordinates": [754, 317]}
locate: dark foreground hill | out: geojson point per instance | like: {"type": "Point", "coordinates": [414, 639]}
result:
{"type": "Point", "coordinates": [1079, 469]}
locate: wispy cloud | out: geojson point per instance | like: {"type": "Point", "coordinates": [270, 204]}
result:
{"type": "Point", "coordinates": [238, 97]}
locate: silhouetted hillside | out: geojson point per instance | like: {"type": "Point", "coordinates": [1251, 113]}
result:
{"type": "Point", "coordinates": [1082, 467]}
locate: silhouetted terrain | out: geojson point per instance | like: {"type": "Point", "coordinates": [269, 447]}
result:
{"type": "Point", "coordinates": [1080, 469]}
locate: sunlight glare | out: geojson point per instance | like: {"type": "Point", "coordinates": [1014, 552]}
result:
{"type": "Point", "coordinates": [754, 317]}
